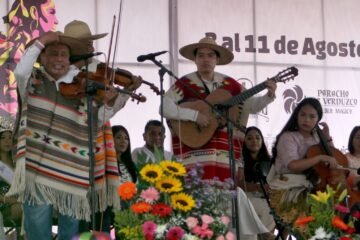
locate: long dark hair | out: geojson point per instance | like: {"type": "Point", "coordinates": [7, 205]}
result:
{"type": "Point", "coordinates": [249, 162]}
{"type": "Point", "coordinates": [292, 123]}
{"type": "Point", "coordinates": [9, 154]}
{"type": "Point", "coordinates": [126, 156]}
{"type": "Point", "coordinates": [351, 138]}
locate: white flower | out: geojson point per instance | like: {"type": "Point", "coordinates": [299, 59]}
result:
{"type": "Point", "coordinates": [160, 230]}
{"type": "Point", "coordinates": [321, 234]}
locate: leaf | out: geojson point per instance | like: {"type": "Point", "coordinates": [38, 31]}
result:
{"type": "Point", "coordinates": [142, 156]}
{"type": "Point", "coordinates": [342, 195]}
{"type": "Point", "coordinates": [159, 154]}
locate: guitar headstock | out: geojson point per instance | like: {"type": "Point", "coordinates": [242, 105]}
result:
{"type": "Point", "coordinates": [286, 75]}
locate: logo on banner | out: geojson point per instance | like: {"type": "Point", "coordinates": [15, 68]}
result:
{"type": "Point", "coordinates": [337, 101]}
{"type": "Point", "coordinates": [292, 97]}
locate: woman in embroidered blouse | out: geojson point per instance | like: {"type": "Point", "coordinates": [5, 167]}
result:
{"type": "Point", "coordinates": [297, 136]}
{"type": "Point", "coordinates": [287, 178]}
{"type": "Point", "coordinates": [353, 155]}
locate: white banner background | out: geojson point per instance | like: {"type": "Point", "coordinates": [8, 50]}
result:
{"type": "Point", "coordinates": [265, 36]}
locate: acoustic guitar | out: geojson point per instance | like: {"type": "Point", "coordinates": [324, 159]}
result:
{"type": "Point", "coordinates": [194, 136]}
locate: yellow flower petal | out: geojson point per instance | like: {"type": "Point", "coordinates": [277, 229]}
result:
{"type": "Point", "coordinates": [151, 173]}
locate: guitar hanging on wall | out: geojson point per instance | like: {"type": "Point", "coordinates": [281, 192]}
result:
{"type": "Point", "coordinates": [194, 136]}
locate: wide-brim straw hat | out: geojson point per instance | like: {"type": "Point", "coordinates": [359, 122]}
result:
{"type": "Point", "coordinates": [6, 124]}
{"type": "Point", "coordinates": [225, 55]}
{"type": "Point", "coordinates": [76, 46]}
{"type": "Point", "coordinates": [79, 29]}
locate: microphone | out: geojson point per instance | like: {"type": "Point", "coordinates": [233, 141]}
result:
{"type": "Point", "coordinates": [149, 56]}
{"type": "Point", "coordinates": [76, 58]}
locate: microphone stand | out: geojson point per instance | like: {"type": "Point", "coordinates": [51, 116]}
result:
{"type": "Point", "coordinates": [235, 203]}
{"type": "Point", "coordinates": [90, 91]}
{"type": "Point", "coordinates": [161, 75]}
{"type": "Point", "coordinates": [162, 72]}
{"type": "Point", "coordinates": [280, 225]}
{"type": "Point", "coordinates": [235, 207]}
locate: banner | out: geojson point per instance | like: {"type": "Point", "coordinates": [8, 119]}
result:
{"type": "Point", "coordinates": [320, 38]}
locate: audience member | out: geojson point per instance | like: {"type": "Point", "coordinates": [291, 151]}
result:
{"type": "Point", "coordinates": [153, 150]}
{"type": "Point", "coordinates": [256, 161]}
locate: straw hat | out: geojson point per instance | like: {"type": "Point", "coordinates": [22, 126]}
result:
{"type": "Point", "coordinates": [79, 29]}
{"type": "Point", "coordinates": [225, 55]}
{"type": "Point", "coordinates": [76, 46]}
{"type": "Point", "coordinates": [6, 124]}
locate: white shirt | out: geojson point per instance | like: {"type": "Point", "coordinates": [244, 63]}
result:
{"type": "Point", "coordinates": [149, 155]}
{"type": "Point", "coordinates": [24, 69]}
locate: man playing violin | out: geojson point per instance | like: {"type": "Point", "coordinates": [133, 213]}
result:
{"type": "Point", "coordinates": [51, 138]}
{"type": "Point", "coordinates": [80, 30]}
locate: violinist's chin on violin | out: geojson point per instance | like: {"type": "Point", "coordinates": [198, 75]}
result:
{"type": "Point", "coordinates": [98, 86]}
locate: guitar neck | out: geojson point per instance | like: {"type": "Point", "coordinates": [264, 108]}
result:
{"type": "Point", "coordinates": [245, 95]}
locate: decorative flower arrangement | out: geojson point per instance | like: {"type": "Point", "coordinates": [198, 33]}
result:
{"type": "Point", "coordinates": [169, 203]}
{"type": "Point", "coordinates": [326, 216]}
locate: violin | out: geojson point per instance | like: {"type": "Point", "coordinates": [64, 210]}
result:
{"type": "Point", "coordinates": [98, 81]}
{"type": "Point", "coordinates": [321, 174]}
{"type": "Point", "coordinates": [123, 77]}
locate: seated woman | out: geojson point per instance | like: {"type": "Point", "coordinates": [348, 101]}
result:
{"type": "Point", "coordinates": [287, 180]}
{"type": "Point", "coordinates": [10, 209]}
{"type": "Point", "coordinates": [256, 158]}
{"type": "Point", "coordinates": [353, 156]}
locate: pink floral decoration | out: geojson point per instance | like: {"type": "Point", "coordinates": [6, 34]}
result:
{"type": "Point", "coordinates": [341, 208]}
{"type": "Point", "coordinates": [203, 231]}
{"type": "Point", "coordinates": [225, 220]}
{"type": "Point", "coordinates": [150, 195]}
{"type": "Point", "coordinates": [149, 228]}
{"type": "Point", "coordinates": [207, 219]}
{"type": "Point", "coordinates": [230, 236]}
{"type": "Point", "coordinates": [175, 233]}
{"type": "Point", "coordinates": [191, 222]}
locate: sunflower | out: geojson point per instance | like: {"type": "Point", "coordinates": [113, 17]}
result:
{"type": "Point", "coordinates": [151, 173]}
{"type": "Point", "coordinates": [182, 201]}
{"type": "Point", "coordinates": [127, 190]}
{"type": "Point", "coordinates": [169, 185]}
{"type": "Point", "coordinates": [173, 168]}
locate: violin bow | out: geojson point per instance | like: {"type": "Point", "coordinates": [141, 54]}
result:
{"type": "Point", "coordinates": [112, 77]}
{"type": "Point", "coordinates": [109, 51]}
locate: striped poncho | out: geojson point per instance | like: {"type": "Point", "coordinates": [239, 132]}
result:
{"type": "Point", "coordinates": [53, 152]}
{"type": "Point", "coordinates": [214, 155]}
